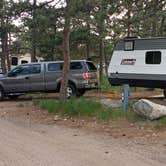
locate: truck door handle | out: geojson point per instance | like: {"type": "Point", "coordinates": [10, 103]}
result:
{"type": "Point", "coordinates": [26, 78]}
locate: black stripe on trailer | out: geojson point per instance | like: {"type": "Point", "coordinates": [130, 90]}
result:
{"type": "Point", "coordinates": [143, 44]}
{"type": "Point", "coordinates": [138, 83]}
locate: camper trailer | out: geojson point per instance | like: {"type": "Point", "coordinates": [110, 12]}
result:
{"type": "Point", "coordinates": [139, 63]}
{"type": "Point", "coordinates": [18, 60]}
{"type": "Point", "coordinates": [21, 59]}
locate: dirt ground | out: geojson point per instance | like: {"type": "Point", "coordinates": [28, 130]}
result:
{"type": "Point", "coordinates": [30, 136]}
{"type": "Point", "coordinates": [24, 109]}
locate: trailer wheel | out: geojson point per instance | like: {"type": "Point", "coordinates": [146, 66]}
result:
{"type": "Point", "coordinates": [164, 93]}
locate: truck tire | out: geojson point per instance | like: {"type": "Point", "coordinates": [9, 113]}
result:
{"type": "Point", "coordinates": [1, 94]}
{"type": "Point", "coordinates": [71, 90]}
{"type": "Point", "coordinates": [13, 97]}
{"type": "Point", "coordinates": [80, 92]}
{"type": "Point", "coordinates": [164, 93]}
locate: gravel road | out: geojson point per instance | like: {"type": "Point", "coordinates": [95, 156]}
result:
{"type": "Point", "coordinates": [22, 144]}
{"type": "Point", "coordinates": [43, 145]}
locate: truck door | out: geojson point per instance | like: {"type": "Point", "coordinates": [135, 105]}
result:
{"type": "Point", "coordinates": [36, 78]}
{"type": "Point", "coordinates": [53, 75]}
{"type": "Point", "coordinates": [18, 79]}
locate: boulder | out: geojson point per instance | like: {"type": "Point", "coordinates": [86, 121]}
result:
{"type": "Point", "coordinates": [149, 109]}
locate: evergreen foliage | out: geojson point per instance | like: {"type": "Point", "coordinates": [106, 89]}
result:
{"type": "Point", "coordinates": [95, 26]}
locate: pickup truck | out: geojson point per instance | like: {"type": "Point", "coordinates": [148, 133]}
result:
{"type": "Point", "coordinates": [46, 77]}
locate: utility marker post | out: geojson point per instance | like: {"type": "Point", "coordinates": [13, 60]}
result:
{"type": "Point", "coordinates": [125, 96]}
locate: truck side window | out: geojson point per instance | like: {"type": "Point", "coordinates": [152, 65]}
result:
{"type": "Point", "coordinates": [36, 68]}
{"type": "Point", "coordinates": [54, 66]}
{"type": "Point", "coordinates": [91, 66]}
{"type": "Point", "coordinates": [75, 65]}
{"type": "Point", "coordinates": [153, 57]}
{"type": "Point", "coordinates": [21, 70]}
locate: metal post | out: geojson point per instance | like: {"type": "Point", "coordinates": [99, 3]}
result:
{"type": "Point", "coordinates": [125, 96]}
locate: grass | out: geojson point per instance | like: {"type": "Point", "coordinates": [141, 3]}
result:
{"type": "Point", "coordinates": [91, 109]}
{"type": "Point", "coordinates": [73, 107]}
{"type": "Point", "coordinates": [84, 108]}
{"type": "Point", "coordinates": [161, 123]}
{"type": "Point", "coordinates": [106, 87]}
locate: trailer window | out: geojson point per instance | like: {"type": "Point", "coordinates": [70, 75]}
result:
{"type": "Point", "coordinates": [14, 61]}
{"type": "Point", "coordinates": [153, 57]}
{"type": "Point", "coordinates": [24, 61]}
{"type": "Point", "coordinates": [129, 45]}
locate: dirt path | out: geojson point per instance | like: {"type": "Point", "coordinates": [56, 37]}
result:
{"type": "Point", "coordinates": [25, 144]}
{"type": "Point", "coordinates": [52, 145]}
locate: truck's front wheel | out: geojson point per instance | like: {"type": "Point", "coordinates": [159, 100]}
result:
{"type": "Point", "coordinates": [13, 97]}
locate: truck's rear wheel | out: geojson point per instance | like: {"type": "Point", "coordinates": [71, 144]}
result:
{"type": "Point", "coordinates": [164, 93]}
{"type": "Point", "coordinates": [1, 94]}
{"type": "Point", "coordinates": [71, 90]}
{"type": "Point", "coordinates": [80, 92]}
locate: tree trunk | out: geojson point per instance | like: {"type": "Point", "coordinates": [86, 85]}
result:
{"type": "Point", "coordinates": [8, 52]}
{"type": "Point", "coordinates": [87, 50]}
{"type": "Point", "coordinates": [105, 58]}
{"type": "Point", "coordinates": [4, 38]}
{"type": "Point", "coordinates": [66, 54]}
{"type": "Point", "coordinates": [88, 42]}
{"type": "Point", "coordinates": [101, 76]}
{"type": "Point", "coordinates": [128, 23]}
{"type": "Point", "coordinates": [33, 55]}
{"type": "Point", "coordinates": [162, 25]}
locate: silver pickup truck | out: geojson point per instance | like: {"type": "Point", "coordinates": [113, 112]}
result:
{"type": "Point", "coordinates": [46, 77]}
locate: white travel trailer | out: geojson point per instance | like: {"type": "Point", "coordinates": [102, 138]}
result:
{"type": "Point", "coordinates": [139, 63]}
{"type": "Point", "coordinates": [21, 59]}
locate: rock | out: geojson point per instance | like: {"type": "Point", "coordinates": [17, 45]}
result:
{"type": "Point", "coordinates": [56, 118]}
{"type": "Point", "coordinates": [106, 152]}
{"type": "Point", "coordinates": [154, 135]}
{"type": "Point", "coordinates": [150, 110]}
{"type": "Point", "coordinates": [131, 124]}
